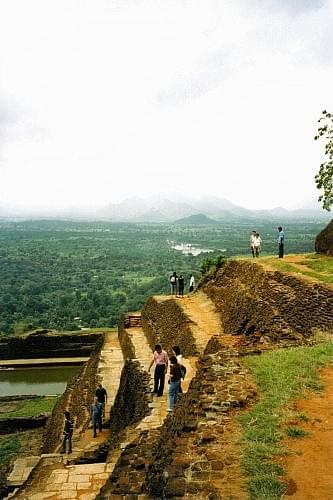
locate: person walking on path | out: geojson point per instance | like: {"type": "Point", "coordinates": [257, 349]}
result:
{"type": "Point", "coordinates": [176, 352]}
{"type": "Point", "coordinates": [257, 244]}
{"type": "Point", "coordinates": [192, 283]}
{"type": "Point", "coordinates": [281, 242]}
{"type": "Point", "coordinates": [174, 381]}
{"type": "Point", "coordinates": [67, 434]}
{"type": "Point", "coordinates": [161, 360]}
{"type": "Point", "coordinates": [173, 283]}
{"type": "Point", "coordinates": [181, 286]}
{"type": "Point", "coordinates": [102, 396]}
{"type": "Point", "coordinates": [252, 237]}
{"type": "Point", "coordinates": [96, 411]}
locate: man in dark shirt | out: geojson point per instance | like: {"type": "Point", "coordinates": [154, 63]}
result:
{"type": "Point", "coordinates": [102, 396]}
{"type": "Point", "coordinates": [67, 434]}
{"type": "Point", "coordinates": [181, 285]}
{"type": "Point", "coordinates": [281, 242]}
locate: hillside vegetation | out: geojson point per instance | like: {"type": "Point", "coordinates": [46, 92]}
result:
{"type": "Point", "coordinates": [66, 275]}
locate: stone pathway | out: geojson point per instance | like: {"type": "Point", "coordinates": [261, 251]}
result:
{"type": "Point", "coordinates": [206, 321]}
{"type": "Point", "coordinates": [144, 354]}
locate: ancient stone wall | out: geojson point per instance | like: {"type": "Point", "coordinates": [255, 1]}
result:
{"type": "Point", "coordinates": [132, 401]}
{"type": "Point", "coordinates": [48, 345]}
{"type": "Point", "coordinates": [165, 322]}
{"type": "Point", "coordinates": [271, 305]}
{"type": "Point", "coordinates": [125, 342]}
{"type": "Point", "coordinates": [77, 398]}
{"type": "Point", "coordinates": [324, 240]}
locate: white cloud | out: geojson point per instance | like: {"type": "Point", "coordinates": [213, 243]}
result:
{"type": "Point", "coordinates": [120, 98]}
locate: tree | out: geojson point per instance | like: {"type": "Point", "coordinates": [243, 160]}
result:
{"type": "Point", "coordinates": [324, 178]}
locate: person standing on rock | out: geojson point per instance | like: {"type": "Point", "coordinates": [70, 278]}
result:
{"type": "Point", "coordinates": [174, 381]}
{"type": "Point", "coordinates": [257, 244]}
{"type": "Point", "coordinates": [67, 434]}
{"type": "Point", "coordinates": [96, 411]}
{"type": "Point", "coordinates": [192, 283]}
{"type": "Point", "coordinates": [252, 237]}
{"type": "Point", "coordinates": [161, 360]}
{"type": "Point", "coordinates": [181, 286]}
{"type": "Point", "coordinates": [281, 242]}
{"type": "Point", "coordinates": [173, 283]}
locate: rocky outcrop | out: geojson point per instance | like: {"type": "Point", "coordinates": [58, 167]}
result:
{"type": "Point", "coordinates": [164, 321]}
{"type": "Point", "coordinates": [271, 306]}
{"type": "Point", "coordinates": [48, 345]}
{"type": "Point", "coordinates": [324, 240]}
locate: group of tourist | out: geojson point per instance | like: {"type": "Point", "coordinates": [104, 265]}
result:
{"type": "Point", "coordinates": [177, 373]}
{"type": "Point", "coordinates": [256, 241]}
{"type": "Point", "coordinates": [177, 284]}
{"type": "Point", "coordinates": [162, 362]}
{"type": "Point", "coordinates": [97, 413]}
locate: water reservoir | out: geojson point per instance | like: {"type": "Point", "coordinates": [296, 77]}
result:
{"type": "Point", "coordinates": [36, 380]}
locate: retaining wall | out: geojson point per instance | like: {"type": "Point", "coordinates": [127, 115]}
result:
{"type": "Point", "coordinates": [271, 304]}
{"type": "Point", "coordinates": [77, 398]}
{"type": "Point", "coordinates": [48, 345]}
{"type": "Point", "coordinates": [164, 322]}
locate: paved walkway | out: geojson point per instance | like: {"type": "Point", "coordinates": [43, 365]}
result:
{"type": "Point", "coordinates": [144, 355]}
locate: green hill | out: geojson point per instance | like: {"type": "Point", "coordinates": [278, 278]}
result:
{"type": "Point", "coordinates": [197, 219]}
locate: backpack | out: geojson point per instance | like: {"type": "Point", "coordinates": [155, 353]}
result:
{"type": "Point", "coordinates": [183, 371]}
{"type": "Point", "coordinates": [173, 279]}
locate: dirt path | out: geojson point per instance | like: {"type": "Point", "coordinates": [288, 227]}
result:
{"type": "Point", "coordinates": [310, 465]}
{"type": "Point", "coordinates": [206, 321]}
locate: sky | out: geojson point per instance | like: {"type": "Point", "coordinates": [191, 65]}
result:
{"type": "Point", "coordinates": [100, 101]}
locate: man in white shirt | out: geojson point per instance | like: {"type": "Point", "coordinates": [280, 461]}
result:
{"type": "Point", "coordinates": [192, 283]}
{"type": "Point", "coordinates": [257, 244]}
{"type": "Point", "coordinates": [252, 237]}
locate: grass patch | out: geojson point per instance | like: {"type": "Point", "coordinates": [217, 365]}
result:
{"type": "Point", "coordinates": [281, 376]}
{"type": "Point", "coordinates": [10, 446]}
{"type": "Point", "coordinates": [296, 432]}
{"type": "Point", "coordinates": [303, 417]}
{"type": "Point", "coordinates": [319, 267]}
{"type": "Point", "coordinates": [31, 407]}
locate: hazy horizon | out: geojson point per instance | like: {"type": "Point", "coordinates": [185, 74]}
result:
{"type": "Point", "coordinates": [103, 101]}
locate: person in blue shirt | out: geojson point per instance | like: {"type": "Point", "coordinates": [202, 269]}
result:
{"type": "Point", "coordinates": [96, 411]}
{"type": "Point", "coordinates": [281, 242]}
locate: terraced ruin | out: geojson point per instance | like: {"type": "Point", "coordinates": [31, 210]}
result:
{"type": "Point", "coordinates": [195, 451]}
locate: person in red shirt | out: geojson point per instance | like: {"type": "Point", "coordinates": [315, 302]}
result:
{"type": "Point", "coordinates": [161, 360]}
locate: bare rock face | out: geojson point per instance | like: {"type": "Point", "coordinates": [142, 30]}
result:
{"type": "Point", "coordinates": [324, 240]}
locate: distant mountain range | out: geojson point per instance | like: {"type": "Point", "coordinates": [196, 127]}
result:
{"type": "Point", "coordinates": [208, 209]}
{"type": "Point", "coordinates": [218, 209]}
